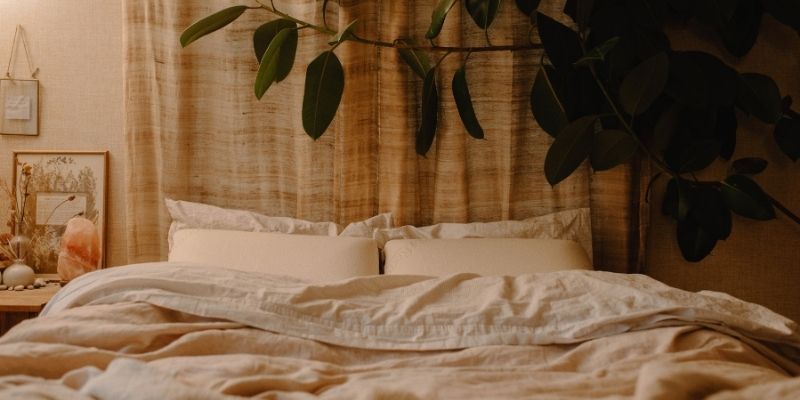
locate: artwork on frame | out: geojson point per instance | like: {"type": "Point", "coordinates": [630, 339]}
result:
{"type": "Point", "coordinates": [19, 107]}
{"type": "Point", "coordinates": [63, 184]}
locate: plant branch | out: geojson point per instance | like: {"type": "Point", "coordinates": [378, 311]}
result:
{"type": "Point", "coordinates": [783, 209]}
{"type": "Point", "coordinates": [398, 45]}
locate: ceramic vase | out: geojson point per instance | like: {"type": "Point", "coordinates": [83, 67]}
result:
{"type": "Point", "coordinates": [18, 273]}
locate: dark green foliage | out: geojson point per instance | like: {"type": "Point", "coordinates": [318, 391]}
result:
{"type": "Point", "coordinates": [482, 11]}
{"type": "Point", "coordinates": [211, 23]}
{"type": "Point", "coordinates": [749, 165]}
{"type": "Point", "coordinates": [323, 93]}
{"type": "Point", "coordinates": [571, 147]}
{"type": "Point", "coordinates": [464, 104]}
{"type": "Point", "coordinates": [612, 88]}
{"type": "Point", "coordinates": [430, 113]}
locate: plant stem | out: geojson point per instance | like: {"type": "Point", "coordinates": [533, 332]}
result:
{"type": "Point", "coordinates": [398, 45]}
{"type": "Point", "coordinates": [783, 209]}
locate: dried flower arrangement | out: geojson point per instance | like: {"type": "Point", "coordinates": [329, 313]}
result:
{"type": "Point", "coordinates": [14, 243]}
{"type": "Point", "coordinates": [11, 248]}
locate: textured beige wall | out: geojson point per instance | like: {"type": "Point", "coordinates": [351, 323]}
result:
{"type": "Point", "coordinates": [760, 262]}
{"type": "Point", "coordinates": [77, 45]}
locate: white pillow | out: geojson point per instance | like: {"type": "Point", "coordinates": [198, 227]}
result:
{"type": "Point", "coordinates": [313, 258]}
{"type": "Point", "coordinates": [575, 224]}
{"type": "Point", "coordinates": [189, 215]}
{"type": "Point", "coordinates": [490, 257]}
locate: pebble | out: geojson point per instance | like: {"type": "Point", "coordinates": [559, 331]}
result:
{"type": "Point", "coordinates": [19, 288]}
{"type": "Point", "coordinates": [39, 282]}
{"type": "Point", "coordinates": [29, 287]}
{"type": "Point", "coordinates": [3, 287]}
{"type": "Point", "coordinates": [10, 288]}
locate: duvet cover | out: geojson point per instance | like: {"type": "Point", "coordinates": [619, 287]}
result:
{"type": "Point", "coordinates": [173, 331]}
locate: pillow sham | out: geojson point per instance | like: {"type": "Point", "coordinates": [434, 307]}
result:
{"type": "Point", "coordinates": [572, 225]}
{"type": "Point", "coordinates": [190, 215]}
{"type": "Point", "coordinates": [489, 257]}
{"type": "Point", "coordinates": [309, 257]}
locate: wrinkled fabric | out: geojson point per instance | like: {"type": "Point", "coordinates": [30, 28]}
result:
{"type": "Point", "coordinates": [173, 331]}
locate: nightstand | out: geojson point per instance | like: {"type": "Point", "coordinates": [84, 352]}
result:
{"type": "Point", "coordinates": [16, 307]}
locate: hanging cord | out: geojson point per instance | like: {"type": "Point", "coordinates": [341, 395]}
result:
{"type": "Point", "coordinates": [21, 33]}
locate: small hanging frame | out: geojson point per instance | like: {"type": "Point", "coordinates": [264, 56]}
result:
{"type": "Point", "coordinates": [19, 98]}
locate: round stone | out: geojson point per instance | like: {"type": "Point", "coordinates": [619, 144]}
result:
{"type": "Point", "coordinates": [3, 287]}
{"type": "Point", "coordinates": [29, 287]}
{"type": "Point", "coordinates": [19, 288]}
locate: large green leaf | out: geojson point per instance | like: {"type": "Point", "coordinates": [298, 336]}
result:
{"type": "Point", "coordinates": [438, 16]}
{"type": "Point", "coordinates": [268, 69]}
{"type": "Point", "coordinates": [482, 11]}
{"type": "Point", "coordinates": [649, 14]}
{"type": "Point", "coordinates": [677, 202]}
{"type": "Point", "coordinates": [571, 147]}
{"type": "Point", "coordinates": [548, 110]}
{"type": "Point", "coordinates": [344, 34]}
{"type": "Point", "coordinates": [325, 12]}
{"type": "Point", "coordinates": [416, 59]}
{"type": "Point", "coordinates": [598, 54]}
{"type": "Point", "coordinates": [665, 128]}
{"type": "Point", "coordinates": [716, 13]}
{"type": "Point", "coordinates": [323, 93]}
{"type": "Point", "coordinates": [562, 44]}
{"type": "Point", "coordinates": [263, 37]}
{"type": "Point", "coordinates": [612, 147]}
{"type": "Point", "coordinates": [745, 197]}
{"type": "Point", "coordinates": [644, 84]}
{"type": "Point", "coordinates": [528, 6]}
{"type": "Point", "coordinates": [710, 211]}
{"type": "Point", "coordinates": [695, 242]}
{"type": "Point", "coordinates": [430, 113]}
{"type": "Point", "coordinates": [211, 23]}
{"type": "Point", "coordinates": [720, 77]}
{"type": "Point", "coordinates": [787, 135]}
{"type": "Point", "coordinates": [749, 165]}
{"type": "Point", "coordinates": [740, 33]}
{"type": "Point", "coordinates": [464, 104]}
{"type": "Point", "coordinates": [688, 83]}
{"type": "Point", "coordinates": [264, 34]}
{"type": "Point", "coordinates": [580, 11]}
{"type": "Point", "coordinates": [757, 94]}
{"type": "Point", "coordinates": [785, 11]}
{"type": "Point", "coordinates": [725, 131]}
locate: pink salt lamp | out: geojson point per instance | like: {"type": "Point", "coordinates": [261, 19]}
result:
{"type": "Point", "coordinates": [80, 249]}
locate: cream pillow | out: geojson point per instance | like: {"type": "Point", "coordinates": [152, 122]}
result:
{"type": "Point", "coordinates": [439, 257]}
{"type": "Point", "coordinates": [572, 225]}
{"type": "Point", "coordinates": [190, 215]}
{"type": "Point", "coordinates": [313, 258]}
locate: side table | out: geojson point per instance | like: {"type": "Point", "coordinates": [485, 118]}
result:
{"type": "Point", "coordinates": [16, 307]}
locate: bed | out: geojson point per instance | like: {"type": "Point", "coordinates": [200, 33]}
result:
{"type": "Point", "coordinates": [183, 331]}
{"type": "Point", "coordinates": [539, 323]}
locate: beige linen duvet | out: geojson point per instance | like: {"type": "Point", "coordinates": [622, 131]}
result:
{"type": "Point", "coordinates": [167, 331]}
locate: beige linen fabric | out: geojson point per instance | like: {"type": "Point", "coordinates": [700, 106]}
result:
{"type": "Point", "coordinates": [196, 132]}
{"type": "Point", "coordinates": [183, 332]}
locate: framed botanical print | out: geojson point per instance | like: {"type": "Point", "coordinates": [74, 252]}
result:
{"type": "Point", "coordinates": [60, 185]}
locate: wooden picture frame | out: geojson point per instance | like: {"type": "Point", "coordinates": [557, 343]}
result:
{"type": "Point", "coordinates": [63, 184]}
{"type": "Point", "coordinates": [19, 107]}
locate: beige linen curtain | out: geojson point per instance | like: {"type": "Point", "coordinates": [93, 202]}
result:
{"type": "Point", "coordinates": [196, 132]}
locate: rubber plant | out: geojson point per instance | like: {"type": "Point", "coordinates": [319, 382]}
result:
{"type": "Point", "coordinates": [609, 87]}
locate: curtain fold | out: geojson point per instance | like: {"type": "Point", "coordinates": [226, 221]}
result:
{"type": "Point", "coordinates": [196, 132]}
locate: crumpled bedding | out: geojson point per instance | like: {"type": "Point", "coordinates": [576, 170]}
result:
{"type": "Point", "coordinates": [177, 331]}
